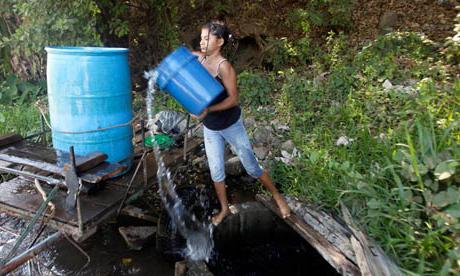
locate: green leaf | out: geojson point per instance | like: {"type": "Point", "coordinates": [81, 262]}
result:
{"type": "Point", "coordinates": [441, 199]}
{"type": "Point", "coordinates": [454, 210]}
{"type": "Point", "coordinates": [2, 118]}
{"type": "Point", "coordinates": [374, 204]}
{"type": "Point", "coordinates": [445, 169]}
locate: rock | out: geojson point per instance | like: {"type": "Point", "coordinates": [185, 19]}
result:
{"type": "Point", "coordinates": [411, 82]}
{"type": "Point", "coordinates": [200, 163]}
{"type": "Point", "coordinates": [233, 166]}
{"type": "Point", "coordinates": [387, 85]}
{"type": "Point", "coordinates": [388, 22]}
{"type": "Point", "coordinates": [198, 131]}
{"type": "Point", "coordinates": [343, 141]}
{"type": "Point", "coordinates": [136, 212]}
{"type": "Point", "coordinates": [320, 79]}
{"type": "Point", "coordinates": [249, 122]}
{"type": "Point", "coordinates": [262, 135]}
{"type": "Point", "coordinates": [288, 146]}
{"type": "Point", "coordinates": [191, 268]}
{"type": "Point", "coordinates": [278, 126]}
{"type": "Point", "coordinates": [286, 157]}
{"type": "Point", "coordinates": [261, 152]}
{"type": "Point", "coordinates": [136, 236]}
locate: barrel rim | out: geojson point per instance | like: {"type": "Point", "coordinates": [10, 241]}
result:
{"type": "Point", "coordinates": [76, 50]}
{"type": "Point", "coordinates": [166, 65]}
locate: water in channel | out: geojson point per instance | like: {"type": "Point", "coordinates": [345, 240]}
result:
{"type": "Point", "coordinates": [198, 234]}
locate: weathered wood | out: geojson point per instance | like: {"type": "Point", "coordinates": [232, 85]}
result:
{"type": "Point", "coordinates": [9, 139]}
{"type": "Point", "coordinates": [20, 198]}
{"type": "Point", "coordinates": [327, 250]}
{"type": "Point", "coordinates": [90, 161]}
{"type": "Point", "coordinates": [94, 168]}
{"type": "Point", "coordinates": [135, 212]}
{"type": "Point", "coordinates": [180, 268]}
{"type": "Point", "coordinates": [360, 257]}
{"type": "Point", "coordinates": [136, 236]}
{"type": "Point", "coordinates": [30, 253]}
{"type": "Point", "coordinates": [334, 231]}
{"type": "Point", "coordinates": [371, 258]}
{"type": "Point", "coordinates": [49, 180]}
{"type": "Point", "coordinates": [49, 161]}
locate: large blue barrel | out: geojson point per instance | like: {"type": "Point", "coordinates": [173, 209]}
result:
{"type": "Point", "coordinates": [182, 76]}
{"type": "Point", "coordinates": [90, 102]}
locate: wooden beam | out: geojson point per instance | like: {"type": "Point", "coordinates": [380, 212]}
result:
{"type": "Point", "coordinates": [328, 251]}
{"type": "Point", "coordinates": [30, 253]}
{"type": "Point", "coordinates": [9, 139]}
{"type": "Point", "coordinates": [371, 262]}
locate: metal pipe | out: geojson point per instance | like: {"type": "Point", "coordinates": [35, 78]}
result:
{"type": "Point", "coordinates": [145, 172]}
{"type": "Point", "coordinates": [30, 253]}
{"type": "Point", "coordinates": [131, 182]}
{"type": "Point", "coordinates": [185, 137]}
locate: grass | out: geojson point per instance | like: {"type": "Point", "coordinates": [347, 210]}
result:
{"type": "Point", "coordinates": [389, 175]}
{"type": "Point", "coordinates": [19, 118]}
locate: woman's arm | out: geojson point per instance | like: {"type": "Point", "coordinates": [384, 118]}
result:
{"type": "Point", "coordinates": [228, 76]}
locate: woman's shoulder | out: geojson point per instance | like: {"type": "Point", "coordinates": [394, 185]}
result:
{"type": "Point", "coordinates": [224, 67]}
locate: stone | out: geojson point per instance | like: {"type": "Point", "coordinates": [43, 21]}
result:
{"type": "Point", "coordinates": [136, 236]}
{"type": "Point", "coordinates": [233, 166]}
{"type": "Point", "coordinates": [388, 22]}
{"type": "Point", "coordinates": [198, 131]}
{"type": "Point", "coordinates": [262, 135]}
{"type": "Point", "coordinates": [200, 163]}
{"type": "Point", "coordinates": [344, 141]}
{"type": "Point", "coordinates": [387, 85]}
{"type": "Point", "coordinates": [288, 146]}
{"type": "Point", "coordinates": [249, 122]}
{"type": "Point", "coordinates": [261, 152]}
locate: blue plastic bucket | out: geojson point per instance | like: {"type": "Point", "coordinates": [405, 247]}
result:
{"type": "Point", "coordinates": [182, 76]}
{"type": "Point", "coordinates": [90, 102]}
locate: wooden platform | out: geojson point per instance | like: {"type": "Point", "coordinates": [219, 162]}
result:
{"type": "Point", "coordinates": [18, 197]}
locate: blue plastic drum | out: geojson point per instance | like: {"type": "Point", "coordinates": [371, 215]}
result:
{"type": "Point", "coordinates": [182, 76]}
{"type": "Point", "coordinates": [90, 102]}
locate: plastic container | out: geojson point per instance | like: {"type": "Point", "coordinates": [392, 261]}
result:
{"type": "Point", "coordinates": [90, 102]}
{"type": "Point", "coordinates": [181, 75]}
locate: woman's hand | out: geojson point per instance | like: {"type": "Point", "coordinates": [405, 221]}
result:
{"type": "Point", "coordinates": [202, 115]}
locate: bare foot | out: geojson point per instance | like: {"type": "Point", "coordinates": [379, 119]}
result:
{"type": "Point", "coordinates": [282, 205]}
{"type": "Point", "coordinates": [217, 219]}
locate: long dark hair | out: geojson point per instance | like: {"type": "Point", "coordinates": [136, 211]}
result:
{"type": "Point", "coordinates": [219, 29]}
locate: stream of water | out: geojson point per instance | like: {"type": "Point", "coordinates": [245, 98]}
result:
{"type": "Point", "coordinates": [198, 234]}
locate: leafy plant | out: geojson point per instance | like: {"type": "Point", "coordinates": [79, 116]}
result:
{"type": "Point", "coordinates": [255, 88]}
{"type": "Point", "coordinates": [13, 90]}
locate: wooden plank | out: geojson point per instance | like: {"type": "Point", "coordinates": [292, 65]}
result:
{"type": "Point", "coordinates": [19, 196]}
{"type": "Point", "coordinates": [90, 161]}
{"type": "Point", "coordinates": [9, 139]}
{"type": "Point", "coordinates": [371, 262]}
{"type": "Point", "coordinates": [102, 172]}
{"type": "Point", "coordinates": [329, 252]}
{"type": "Point", "coordinates": [93, 167]}
{"type": "Point", "coordinates": [334, 231]}
{"type": "Point", "coordinates": [133, 211]}
{"type": "Point", "coordinates": [49, 161]}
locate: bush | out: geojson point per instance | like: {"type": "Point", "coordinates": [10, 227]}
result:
{"type": "Point", "coordinates": [255, 88]}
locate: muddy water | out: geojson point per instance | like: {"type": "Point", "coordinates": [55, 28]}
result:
{"type": "Point", "coordinates": [107, 251]}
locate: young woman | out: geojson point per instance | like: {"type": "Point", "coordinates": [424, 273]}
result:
{"type": "Point", "coordinates": [223, 122]}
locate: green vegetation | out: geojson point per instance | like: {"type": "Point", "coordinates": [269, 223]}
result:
{"type": "Point", "coordinates": [398, 166]}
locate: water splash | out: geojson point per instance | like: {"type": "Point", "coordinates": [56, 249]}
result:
{"type": "Point", "coordinates": [198, 234]}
